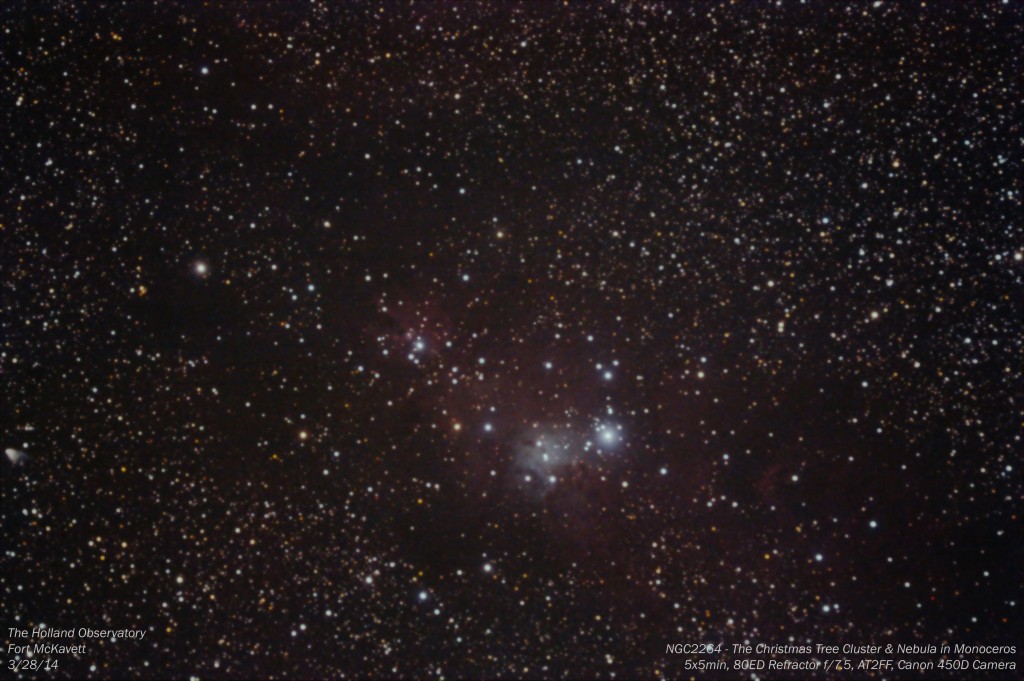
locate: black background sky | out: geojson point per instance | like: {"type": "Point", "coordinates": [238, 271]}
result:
{"type": "Point", "coordinates": [437, 339]}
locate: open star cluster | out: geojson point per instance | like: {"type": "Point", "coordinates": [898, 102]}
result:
{"type": "Point", "coordinates": [509, 340]}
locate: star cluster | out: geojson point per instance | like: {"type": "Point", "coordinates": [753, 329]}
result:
{"type": "Point", "coordinates": [509, 340]}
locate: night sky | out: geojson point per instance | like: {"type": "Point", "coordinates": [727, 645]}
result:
{"type": "Point", "coordinates": [514, 340]}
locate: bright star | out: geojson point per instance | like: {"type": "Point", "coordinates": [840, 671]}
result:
{"type": "Point", "coordinates": [608, 434]}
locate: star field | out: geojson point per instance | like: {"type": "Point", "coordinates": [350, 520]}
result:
{"type": "Point", "coordinates": [518, 340]}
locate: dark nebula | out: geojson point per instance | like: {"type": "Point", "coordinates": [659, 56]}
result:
{"type": "Point", "coordinates": [510, 340]}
